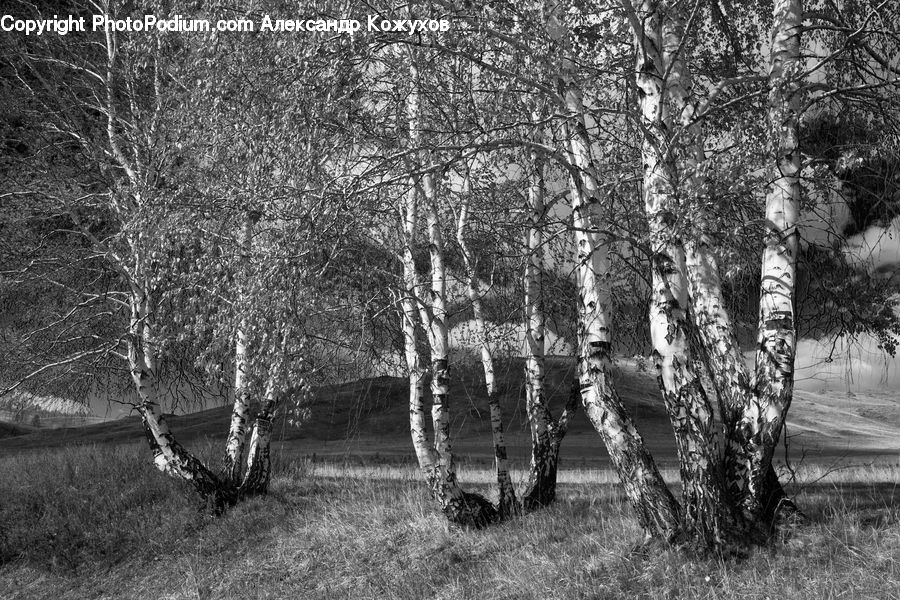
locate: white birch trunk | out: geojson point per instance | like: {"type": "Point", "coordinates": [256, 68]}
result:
{"type": "Point", "coordinates": [458, 506]}
{"type": "Point", "coordinates": [168, 455]}
{"type": "Point", "coordinates": [259, 462]}
{"type": "Point", "coordinates": [728, 372]}
{"type": "Point", "coordinates": [763, 419]}
{"type": "Point", "coordinates": [409, 318]}
{"type": "Point", "coordinates": [237, 431]}
{"type": "Point", "coordinates": [542, 477]}
{"type": "Point", "coordinates": [546, 432]}
{"type": "Point", "coordinates": [436, 328]}
{"type": "Point", "coordinates": [508, 505]}
{"type": "Point", "coordinates": [428, 460]}
{"type": "Point", "coordinates": [658, 40]}
{"type": "Point", "coordinates": [722, 353]}
{"type": "Point", "coordinates": [656, 508]}
{"type": "Point", "coordinates": [436, 462]}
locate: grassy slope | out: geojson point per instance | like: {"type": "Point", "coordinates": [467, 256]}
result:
{"type": "Point", "coordinates": [98, 522]}
{"type": "Point", "coordinates": [363, 419]}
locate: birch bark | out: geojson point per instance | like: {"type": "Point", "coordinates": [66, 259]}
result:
{"type": "Point", "coordinates": [762, 421]}
{"type": "Point", "coordinates": [259, 462]}
{"type": "Point", "coordinates": [429, 305]}
{"type": "Point", "coordinates": [168, 455]}
{"type": "Point", "coordinates": [656, 508]}
{"type": "Point", "coordinates": [658, 31]}
{"type": "Point", "coordinates": [730, 375]}
{"type": "Point", "coordinates": [508, 505]}
{"type": "Point", "coordinates": [237, 431]}
{"type": "Point", "coordinates": [547, 432]}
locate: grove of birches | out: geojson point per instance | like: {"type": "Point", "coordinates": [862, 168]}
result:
{"type": "Point", "coordinates": [270, 211]}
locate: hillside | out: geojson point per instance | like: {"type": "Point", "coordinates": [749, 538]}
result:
{"type": "Point", "coordinates": [14, 429]}
{"type": "Point", "coordinates": [367, 420]}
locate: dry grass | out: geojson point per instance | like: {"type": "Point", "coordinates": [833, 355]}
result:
{"type": "Point", "coordinates": [98, 522]}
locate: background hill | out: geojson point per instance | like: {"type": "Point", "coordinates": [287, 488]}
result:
{"type": "Point", "coordinates": [367, 421]}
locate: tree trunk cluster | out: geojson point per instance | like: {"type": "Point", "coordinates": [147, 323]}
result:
{"type": "Point", "coordinates": [236, 480]}
{"type": "Point", "coordinates": [729, 494]}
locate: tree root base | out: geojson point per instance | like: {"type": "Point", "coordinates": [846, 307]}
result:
{"type": "Point", "coordinates": [471, 511]}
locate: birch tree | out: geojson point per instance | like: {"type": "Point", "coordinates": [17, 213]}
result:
{"type": "Point", "coordinates": [700, 270]}
{"type": "Point", "coordinates": [426, 305]}
{"type": "Point", "coordinates": [237, 431]}
{"type": "Point", "coordinates": [686, 401]}
{"type": "Point", "coordinates": [763, 418]}
{"type": "Point", "coordinates": [146, 164]}
{"type": "Point", "coordinates": [508, 505]}
{"type": "Point", "coordinates": [107, 79]}
{"type": "Point", "coordinates": [547, 432]}
{"type": "Point", "coordinates": [751, 408]}
{"type": "Point", "coordinates": [656, 508]}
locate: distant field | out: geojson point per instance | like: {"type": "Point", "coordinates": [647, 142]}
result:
{"type": "Point", "coordinates": [367, 421]}
{"type": "Point", "coordinates": [32, 421]}
{"type": "Point", "coordinates": [99, 522]}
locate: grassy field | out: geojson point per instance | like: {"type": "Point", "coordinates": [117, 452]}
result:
{"type": "Point", "coordinates": [97, 521]}
{"type": "Point", "coordinates": [83, 514]}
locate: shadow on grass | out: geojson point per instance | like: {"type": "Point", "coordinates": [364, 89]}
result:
{"type": "Point", "coordinates": [874, 503]}
{"type": "Point", "coordinates": [94, 507]}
